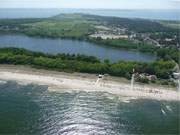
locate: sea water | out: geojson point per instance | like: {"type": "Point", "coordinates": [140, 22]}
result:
{"type": "Point", "coordinates": [32, 109]}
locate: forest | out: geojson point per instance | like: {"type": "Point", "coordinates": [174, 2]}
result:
{"type": "Point", "coordinates": [86, 64]}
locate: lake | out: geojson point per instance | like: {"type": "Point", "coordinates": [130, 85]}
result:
{"type": "Point", "coordinates": [55, 46]}
{"type": "Point", "coordinates": [32, 109]}
{"type": "Point", "coordinates": [39, 13]}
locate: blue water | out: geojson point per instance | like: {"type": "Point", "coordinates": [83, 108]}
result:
{"type": "Point", "coordinates": [39, 13]}
{"type": "Point", "coordinates": [55, 46]}
{"type": "Point", "coordinates": [31, 109]}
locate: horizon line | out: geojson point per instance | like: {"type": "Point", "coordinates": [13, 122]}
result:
{"type": "Point", "coordinates": [89, 8]}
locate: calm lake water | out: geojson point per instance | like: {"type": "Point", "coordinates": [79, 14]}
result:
{"type": "Point", "coordinates": [39, 13]}
{"type": "Point", "coordinates": [33, 110]}
{"type": "Point", "coordinates": [54, 46]}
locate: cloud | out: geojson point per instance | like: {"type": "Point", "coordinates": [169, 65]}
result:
{"type": "Point", "coordinates": [175, 4]}
{"type": "Point", "coordinates": [176, 1]}
{"type": "Point", "coordinates": [113, 4]}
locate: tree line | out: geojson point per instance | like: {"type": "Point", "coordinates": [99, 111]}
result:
{"type": "Point", "coordinates": [163, 69]}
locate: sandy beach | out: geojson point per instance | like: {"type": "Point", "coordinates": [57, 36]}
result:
{"type": "Point", "coordinates": [59, 81]}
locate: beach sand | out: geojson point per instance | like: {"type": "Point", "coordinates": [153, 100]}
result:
{"type": "Point", "coordinates": [60, 81]}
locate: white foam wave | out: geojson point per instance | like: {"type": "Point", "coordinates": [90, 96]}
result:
{"type": "Point", "coordinates": [169, 108]}
{"type": "Point", "coordinates": [163, 112]}
{"type": "Point", "coordinates": [2, 82]}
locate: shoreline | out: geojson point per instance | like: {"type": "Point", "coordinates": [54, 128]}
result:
{"type": "Point", "coordinates": [60, 81]}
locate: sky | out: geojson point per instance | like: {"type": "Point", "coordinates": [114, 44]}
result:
{"type": "Point", "coordinates": [90, 4]}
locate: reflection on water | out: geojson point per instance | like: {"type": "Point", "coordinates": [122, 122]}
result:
{"type": "Point", "coordinates": [32, 109]}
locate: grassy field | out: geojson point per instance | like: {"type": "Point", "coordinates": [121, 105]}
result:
{"type": "Point", "coordinates": [60, 28]}
{"type": "Point", "coordinates": [173, 24]}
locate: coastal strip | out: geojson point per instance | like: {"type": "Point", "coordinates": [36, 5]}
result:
{"type": "Point", "coordinates": [58, 81]}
